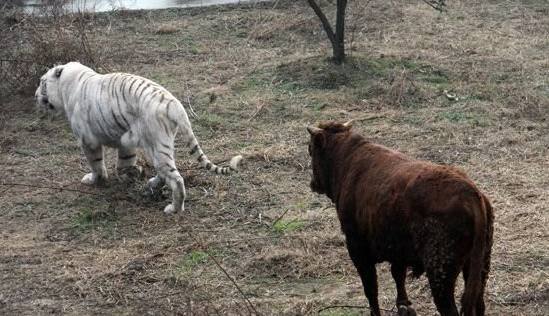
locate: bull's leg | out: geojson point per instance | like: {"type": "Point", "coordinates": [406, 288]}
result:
{"type": "Point", "coordinates": [404, 306]}
{"type": "Point", "coordinates": [480, 307]}
{"type": "Point", "coordinates": [442, 271]}
{"type": "Point", "coordinates": [367, 272]}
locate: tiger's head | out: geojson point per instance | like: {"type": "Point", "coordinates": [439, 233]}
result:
{"type": "Point", "coordinates": [48, 95]}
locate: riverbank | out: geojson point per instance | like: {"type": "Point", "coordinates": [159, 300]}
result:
{"type": "Point", "coordinates": [467, 88]}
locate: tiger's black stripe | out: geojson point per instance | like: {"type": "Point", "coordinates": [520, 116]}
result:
{"type": "Point", "coordinates": [122, 127]}
{"type": "Point", "coordinates": [172, 169]}
{"type": "Point", "coordinates": [166, 129]}
{"type": "Point", "coordinates": [104, 120]}
{"type": "Point", "coordinates": [120, 109]}
{"type": "Point", "coordinates": [166, 154]}
{"type": "Point", "coordinates": [131, 85]}
{"type": "Point", "coordinates": [193, 150]}
{"type": "Point", "coordinates": [123, 92]}
{"type": "Point", "coordinates": [126, 157]}
{"type": "Point", "coordinates": [80, 76]}
{"type": "Point", "coordinates": [165, 145]}
{"type": "Point", "coordinates": [139, 86]}
{"type": "Point", "coordinates": [143, 90]}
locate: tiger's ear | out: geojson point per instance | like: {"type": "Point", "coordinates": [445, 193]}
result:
{"type": "Point", "coordinates": [58, 71]}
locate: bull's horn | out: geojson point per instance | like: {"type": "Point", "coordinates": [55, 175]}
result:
{"type": "Point", "coordinates": [349, 123]}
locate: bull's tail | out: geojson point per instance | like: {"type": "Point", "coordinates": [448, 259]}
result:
{"type": "Point", "coordinates": [479, 261]}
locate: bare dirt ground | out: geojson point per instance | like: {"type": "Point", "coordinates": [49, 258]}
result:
{"type": "Point", "coordinates": [469, 87]}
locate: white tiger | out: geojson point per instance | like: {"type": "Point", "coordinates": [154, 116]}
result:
{"type": "Point", "coordinates": [124, 111]}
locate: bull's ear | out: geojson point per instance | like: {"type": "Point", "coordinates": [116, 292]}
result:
{"type": "Point", "coordinates": [58, 71]}
{"type": "Point", "coordinates": [317, 136]}
{"type": "Point", "coordinates": [313, 130]}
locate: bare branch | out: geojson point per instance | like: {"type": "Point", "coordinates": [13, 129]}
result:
{"type": "Point", "coordinates": [438, 5]}
{"type": "Point", "coordinates": [324, 20]}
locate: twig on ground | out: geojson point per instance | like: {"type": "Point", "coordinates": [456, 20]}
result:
{"type": "Point", "coordinates": [12, 184]}
{"type": "Point", "coordinates": [47, 187]}
{"type": "Point", "coordinates": [249, 305]}
{"type": "Point", "coordinates": [280, 217]}
{"type": "Point", "coordinates": [258, 109]}
{"type": "Point", "coordinates": [353, 306]}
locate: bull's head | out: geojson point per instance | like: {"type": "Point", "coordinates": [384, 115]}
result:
{"type": "Point", "coordinates": [320, 144]}
{"type": "Point", "coordinates": [48, 95]}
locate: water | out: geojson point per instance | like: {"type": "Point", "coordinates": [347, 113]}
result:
{"type": "Point", "coordinates": [108, 5]}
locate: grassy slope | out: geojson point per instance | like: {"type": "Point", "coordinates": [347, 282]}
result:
{"type": "Point", "coordinates": [257, 77]}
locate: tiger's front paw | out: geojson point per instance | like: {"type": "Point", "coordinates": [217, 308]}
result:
{"type": "Point", "coordinates": [169, 209]}
{"type": "Point", "coordinates": [92, 179]}
{"type": "Point", "coordinates": [88, 179]}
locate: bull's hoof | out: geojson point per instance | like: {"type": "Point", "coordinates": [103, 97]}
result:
{"type": "Point", "coordinates": [406, 310]}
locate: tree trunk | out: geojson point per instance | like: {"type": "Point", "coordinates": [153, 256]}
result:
{"type": "Point", "coordinates": [337, 39]}
{"type": "Point", "coordinates": [339, 45]}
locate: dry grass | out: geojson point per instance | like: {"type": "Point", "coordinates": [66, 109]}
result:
{"type": "Point", "coordinates": [34, 43]}
{"type": "Point", "coordinates": [257, 76]}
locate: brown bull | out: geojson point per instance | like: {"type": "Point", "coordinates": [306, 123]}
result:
{"type": "Point", "coordinates": [411, 213]}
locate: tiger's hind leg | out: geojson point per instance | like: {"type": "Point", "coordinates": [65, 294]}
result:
{"type": "Point", "coordinates": [97, 164]}
{"type": "Point", "coordinates": [127, 158]}
{"type": "Point", "coordinates": [167, 172]}
{"type": "Point", "coordinates": [155, 184]}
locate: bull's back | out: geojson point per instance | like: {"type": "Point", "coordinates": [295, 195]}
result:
{"type": "Point", "coordinates": [398, 197]}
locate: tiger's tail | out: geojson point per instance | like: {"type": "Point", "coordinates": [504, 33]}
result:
{"type": "Point", "coordinates": [197, 153]}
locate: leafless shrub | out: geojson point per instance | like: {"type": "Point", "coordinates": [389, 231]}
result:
{"type": "Point", "coordinates": [35, 42]}
{"type": "Point", "coordinates": [401, 89]}
{"type": "Point", "coordinates": [166, 29]}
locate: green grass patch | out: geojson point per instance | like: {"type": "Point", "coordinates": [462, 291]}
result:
{"type": "Point", "coordinates": [189, 262]}
{"type": "Point", "coordinates": [284, 226]}
{"type": "Point", "coordinates": [397, 81]}
{"type": "Point", "coordinates": [211, 120]}
{"type": "Point", "coordinates": [459, 117]}
{"type": "Point", "coordinates": [88, 219]}
{"type": "Point", "coordinates": [319, 73]}
{"type": "Point", "coordinates": [342, 311]}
